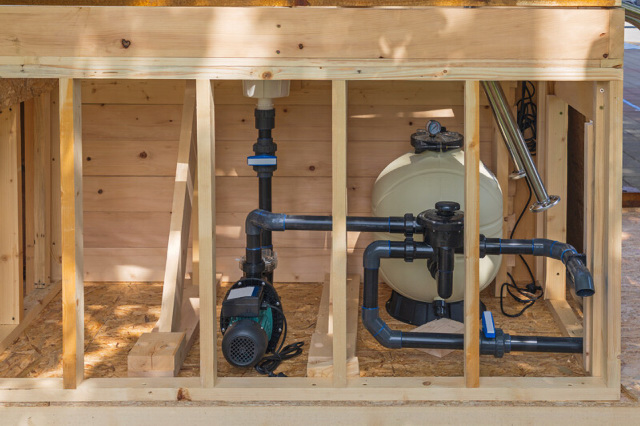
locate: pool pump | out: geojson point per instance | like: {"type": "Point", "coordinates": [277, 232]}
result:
{"type": "Point", "coordinates": [251, 322]}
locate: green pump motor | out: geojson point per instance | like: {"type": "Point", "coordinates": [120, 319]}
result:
{"type": "Point", "coordinates": [251, 322]}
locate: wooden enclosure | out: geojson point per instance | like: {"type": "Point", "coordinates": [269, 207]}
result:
{"type": "Point", "coordinates": [360, 77]}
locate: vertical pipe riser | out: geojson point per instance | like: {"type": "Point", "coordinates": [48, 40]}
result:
{"type": "Point", "coordinates": [515, 140]}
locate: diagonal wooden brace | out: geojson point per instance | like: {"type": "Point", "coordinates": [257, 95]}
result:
{"type": "Point", "coordinates": [162, 352]}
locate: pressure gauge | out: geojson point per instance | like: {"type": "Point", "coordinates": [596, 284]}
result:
{"type": "Point", "coordinates": [433, 127]}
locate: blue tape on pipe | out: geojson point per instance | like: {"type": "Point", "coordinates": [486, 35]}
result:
{"type": "Point", "coordinates": [488, 325]}
{"type": "Point", "coordinates": [262, 160]}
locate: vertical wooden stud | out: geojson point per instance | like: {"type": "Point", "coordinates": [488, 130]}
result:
{"type": "Point", "coordinates": [472, 233]}
{"type": "Point", "coordinates": [195, 251]}
{"type": "Point", "coordinates": [542, 89]}
{"type": "Point", "coordinates": [613, 116]}
{"type": "Point", "coordinates": [588, 243]}
{"type": "Point", "coordinates": [11, 285]}
{"type": "Point", "coordinates": [555, 180]}
{"type": "Point", "coordinates": [338, 278]}
{"type": "Point", "coordinates": [56, 220]}
{"type": "Point", "coordinates": [205, 120]}
{"type": "Point", "coordinates": [29, 196]}
{"type": "Point", "coordinates": [503, 165]}
{"type": "Point", "coordinates": [595, 304]}
{"type": "Point", "coordinates": [72, 243]}
{"type": "Point", "coordinates": [41, 190]}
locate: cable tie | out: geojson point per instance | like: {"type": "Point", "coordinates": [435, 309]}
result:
{"type": "Point", "coordinates": [551, 248]}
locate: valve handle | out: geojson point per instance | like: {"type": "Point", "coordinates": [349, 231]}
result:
{"type": "Point", "coordinates": [447, 208]}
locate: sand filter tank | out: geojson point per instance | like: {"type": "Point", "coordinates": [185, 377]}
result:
{"type": "Point", "coordinates": [415, 181]}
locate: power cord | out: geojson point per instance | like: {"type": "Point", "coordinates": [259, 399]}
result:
{"type": "Point", "coordinates": [270, 363]}
{"type": "Point", "coordinates": [527, 296]}
{"type": "Point", "coordinates": [527, 115]}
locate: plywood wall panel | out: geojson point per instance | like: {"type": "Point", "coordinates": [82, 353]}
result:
{"type": "Point", "coordinates": [126, 229]}
{"type": "Point", "coordinates": [129, 158]}
{"type": "Point", "coordinates": [128, 193]}
{"type": "Point", "coordinates": [109, 122]}
{"type": "Point", "coordinates": [131, 136]}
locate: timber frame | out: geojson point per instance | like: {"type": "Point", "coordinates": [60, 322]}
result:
{"type": "Point", "coordinates": [575, 54]}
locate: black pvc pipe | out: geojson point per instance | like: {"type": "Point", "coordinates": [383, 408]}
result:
{"type": "Point", "coordinates": [259, 221]}
{"type": "Point", "coordinates": [444, 272]}
{"type": "Point", "coordinates": [395, 339]}
{"type": "Point", "coordinates": [264, 203]}
{"type": "Point", "coordinates": [546, 344]}
{"type": "Point", "coordinates": [265, 220]}
{"type": "Point", "coordinates": [576, 268]}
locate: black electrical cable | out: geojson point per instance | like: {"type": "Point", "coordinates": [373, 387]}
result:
{"type": "Point", "coordinates": [269, 363]}
{"type": "Point", "coordinates": [527, 116]}
{"type": "Point", "coordinates": [527, 295]}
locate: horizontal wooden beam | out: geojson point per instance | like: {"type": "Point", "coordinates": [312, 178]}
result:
{"type": "Point", "coordinates": [312, 69]}
{"type": "Point", "coordinates": [319, 414]}
{"type": "Point", "coordinates": [242, 389]}
{"type": "Point", "coordinates": [309, 33]}
{"type": "Point", "coordinates": [342, 3]}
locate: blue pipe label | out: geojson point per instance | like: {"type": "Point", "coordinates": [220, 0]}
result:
{"type": "Point", "coordinates": [262, 160]}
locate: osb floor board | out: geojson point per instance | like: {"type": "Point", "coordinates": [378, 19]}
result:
{"type": "Point", "coordinates": [116, 315]}
{"type": "Point", "coordinates": [375, 361]}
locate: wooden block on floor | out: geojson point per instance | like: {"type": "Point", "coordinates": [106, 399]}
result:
{"type": "Point", "coordinates": [157, 355]}
{"type": "Point", "coordinates": [161, 354]}
{"type": "Point", "coordinates": [325, 369]}
{"type": "Point", "coordinates": [443, 325]}
{"type": "Point", "coordinates": [320, 361]}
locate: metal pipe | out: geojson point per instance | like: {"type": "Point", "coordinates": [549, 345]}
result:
{"type": "Point", "coordinates": [492, 90]}
{"type": "Point", "coordinates": [517, 146]}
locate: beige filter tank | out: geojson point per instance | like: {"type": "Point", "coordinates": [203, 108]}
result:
{"type": "Point", "coordinates": [415, 182]}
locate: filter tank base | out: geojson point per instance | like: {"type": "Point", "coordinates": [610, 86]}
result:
{"type": "Point", "coordinates": [417, 313]}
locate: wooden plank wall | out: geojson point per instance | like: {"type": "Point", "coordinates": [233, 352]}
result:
{"type": "Point", "coordinates": [131, 130]}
